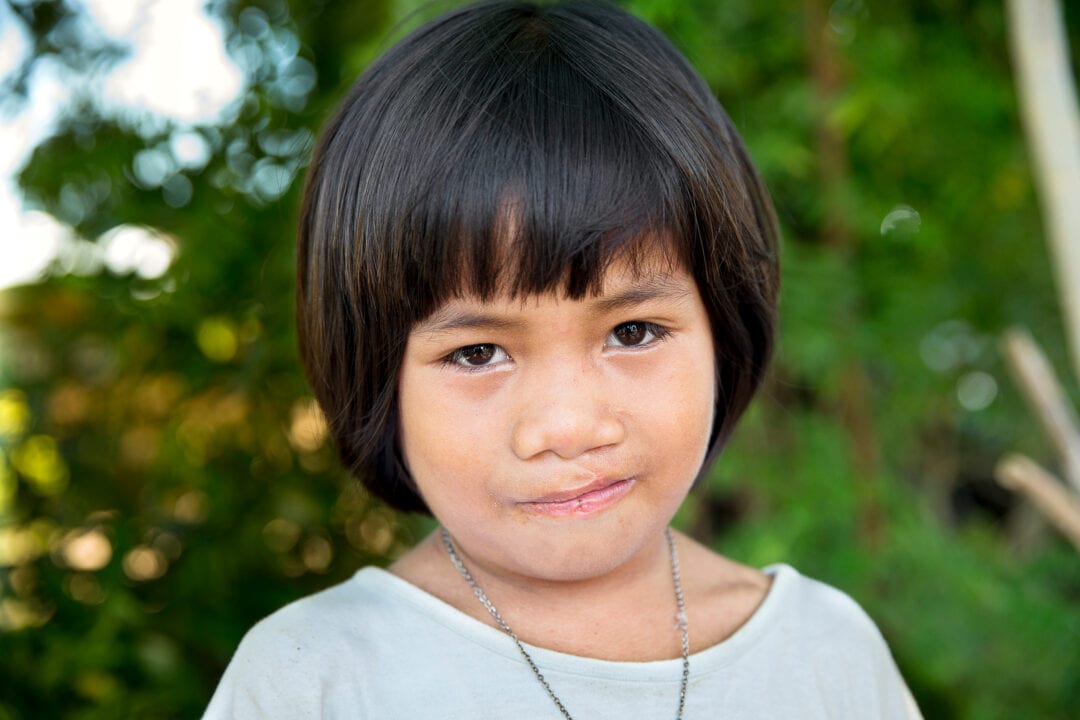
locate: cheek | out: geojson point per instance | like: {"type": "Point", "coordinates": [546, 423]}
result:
{"type": "Point", "coordinates": [672, 422]}
{"type": "Point", "coordinates": [440, 436]}
{"type": "Point", "coordinates": [694, 386]}
{"type": "Point", "coordinates": [695, 418]}
{"type": "Point", "coordinates": [416, 427]}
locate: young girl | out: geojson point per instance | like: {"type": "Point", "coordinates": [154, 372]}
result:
{"type": "Point", "coordinates": [536, 289]}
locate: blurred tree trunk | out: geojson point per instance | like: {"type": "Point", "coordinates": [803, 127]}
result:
{"type": "Point", "coordinates": [855, 407]}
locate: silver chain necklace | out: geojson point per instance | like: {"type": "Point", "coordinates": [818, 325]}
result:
{"type": "Point", "coordinates": [680, 620]}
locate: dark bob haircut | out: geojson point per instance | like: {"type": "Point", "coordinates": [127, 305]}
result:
{"type": "Point", "coordinates": [519, 147]}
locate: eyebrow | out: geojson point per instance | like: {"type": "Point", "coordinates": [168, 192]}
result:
{"type": "Point", "coordinates": [655, 288]}
{"type": "Point", "coordinates": [448, 320]}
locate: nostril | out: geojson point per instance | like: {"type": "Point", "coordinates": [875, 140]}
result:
{"type": "Point", "coordinates": [565, 431]}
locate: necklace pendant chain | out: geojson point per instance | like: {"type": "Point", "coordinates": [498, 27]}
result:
{"type": "Point", "coordinates": [680, 607]}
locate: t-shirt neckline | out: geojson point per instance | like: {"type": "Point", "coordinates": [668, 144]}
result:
{"type": "Point", "coordinates": [702, 662]}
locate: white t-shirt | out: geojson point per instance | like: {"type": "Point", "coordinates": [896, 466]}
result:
{"type": "Point", "coordinates": [376, 646]}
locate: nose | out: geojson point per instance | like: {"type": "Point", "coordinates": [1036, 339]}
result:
{"type": "Point", "coordinates": [568, 411]}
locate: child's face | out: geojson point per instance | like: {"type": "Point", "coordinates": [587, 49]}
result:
{"type": "Point", "coordinates": [554, 438]}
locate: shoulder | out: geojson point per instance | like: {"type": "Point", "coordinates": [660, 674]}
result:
{"type": "Point", "coordinates": [285, 662]}
{"type": "Point", "coordinates": [825, 615]}
{"type": "Point", "coordinates": [316, 622]}
{"type": "Point", "coordinates": [824, 633]}
{"type": "Point", "coordinates": [727, 596]}
{"type": "Point", "coordinates": [811, 644]}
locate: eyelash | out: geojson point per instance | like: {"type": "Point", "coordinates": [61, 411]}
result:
{"type": "Point", "coordinates": [456, 359]}
{"type": "Point", "coordinates": [654, 334]}
{"type": "Point", "coordinates": [658, 333]}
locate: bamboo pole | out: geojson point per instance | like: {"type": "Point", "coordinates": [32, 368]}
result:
{"type": "Point", "coordinates": [1036, 378]}
{"type": "Point", "coordinates": [1047, 91]}
{"type": "Point", "coordinates": [1025, 476]}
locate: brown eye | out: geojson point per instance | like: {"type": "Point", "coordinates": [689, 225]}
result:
{"type": "Point", "coordinates": [636, 333]}
{"type": "Point", "coordinates": [631, 333]}
{"type": "Point", "coordinates": [476, 356]}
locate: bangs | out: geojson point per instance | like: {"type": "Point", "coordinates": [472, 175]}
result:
{"type": "Point", "coordinates": [545, 195]}
{"type": "Point", "coordinates": [535, 177]}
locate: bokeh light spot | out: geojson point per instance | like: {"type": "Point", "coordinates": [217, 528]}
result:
{"type": "Point", "coordinates": [374, 533]}
{"type": "Point", "coordinates": [976, 390]}
{"type": "Point", "coordinates": [307, 426]}
{"type": "Point", "coordinates": [152, 167]}
{"type": "Point", "coordinates": [178, 67]}
{"type": "Point", "coordinates": [14, 413]}
{"type": "Point", "coordinates": [159, 655]}
{"type": "Point", "coordinates": [177, 191]}
{"type": "Point", "coordinates": [144, 562]}
{"type": "Point", "coordinates": [9, 486]}
{"type": "Point", "coordinates": [191, 507]}
{"type": "Point", "coordinates": [217, 339]}
{"type": "Point", "coordinates": [317, 553]}
{"type": "Point", "coordinates": [38, 460]}
{"type": "Point", "coordinates": [18, 614]}
{"type": "Point", "coordinates": [133, 248]}
{"type": "Point", "coordinates": [157, 395]}
{"type": "Point", "coordinates": [270, 180]}
{"type": "Point", "coordinates": [86, 549]}
{"type": "Point", "coordinates": [18, 545]}
{"type": "Point", "coordinates": [190, 149]}
{"type": "Point", "coordinates": [85, 588]}
{"type": "Point", "coordinates": [139, 445]}
{"type": "Point", "coordinates": [169, 545]}
{"type": "Point", "coordinates": [69, 403]}
{"type": "Point", "coordinates": [281, 534]}
{"type": "Point", "coordinates": [97, 685]}
{"type": "Point", "coordinates": [23, 579]}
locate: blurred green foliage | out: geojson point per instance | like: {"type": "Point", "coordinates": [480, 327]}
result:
{"type": "Point", "coordinates": [165, 480]}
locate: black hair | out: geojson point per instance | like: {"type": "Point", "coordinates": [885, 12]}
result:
{"type": "Point", "coordinates": [519, 147]}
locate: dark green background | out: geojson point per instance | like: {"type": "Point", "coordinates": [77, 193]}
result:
{"type": "Point", "coordinates": [167, 420]}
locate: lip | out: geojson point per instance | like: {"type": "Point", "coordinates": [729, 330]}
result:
{"type": "Point", "coordinates": [586, 500]}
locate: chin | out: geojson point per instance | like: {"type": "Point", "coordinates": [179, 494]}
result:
{"type": "Point", "coordinates": [589, 550]}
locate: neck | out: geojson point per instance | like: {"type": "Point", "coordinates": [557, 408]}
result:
{"type": "Point", "coordinates": [628, 613]}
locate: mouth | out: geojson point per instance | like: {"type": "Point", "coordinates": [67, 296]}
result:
{"type": "Point", "coordinates": [587, 500]}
